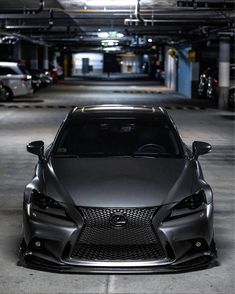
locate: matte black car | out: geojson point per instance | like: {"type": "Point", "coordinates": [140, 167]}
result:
{"type": "Point", "coordinates": [117, 191]}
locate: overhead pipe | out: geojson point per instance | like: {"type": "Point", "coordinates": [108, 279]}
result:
{"type": "Point", "coordinates": [137, 12]}
{"type": "Point", "coordinates": [176, 21]}
{"type": "Point", "coordinates": [25, 27]}
{"type": "Point", "coordinates": [23, 37]}
{"type": "Point", "coordinates": [226, 34]}
{"type": "Point", "coordinates": [223, 4]}
{"type": "Point", "coordinates": [25, 11]}
{"type": "Point", "coordinates": [138, 17]}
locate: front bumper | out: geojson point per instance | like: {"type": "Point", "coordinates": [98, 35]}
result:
{"type": "Point", "coordinates": [178, 238]}
{"type": "Point", "coordinates": [39, 263]}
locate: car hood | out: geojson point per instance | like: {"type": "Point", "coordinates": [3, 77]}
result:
{"type": "Point", "coordinates": [119, 182]}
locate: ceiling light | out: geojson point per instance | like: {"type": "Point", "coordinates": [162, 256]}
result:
{"type": "Point", "coordinates": [103, 35]}
{"type": "Point", "coordinates": [120, 35]}
{"type": "Point", "coordinates": [108, 49]}
{"type": "Point", "coordinates": [111, 35]}
{"type": "Point", "coordinates": [110, 2]}
{"type": "Point", "coordinates": [109, 42]}
{"type": "Point", "coordinates": [150, 40]}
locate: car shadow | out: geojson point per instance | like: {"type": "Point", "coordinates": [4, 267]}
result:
{"type": "Point", "coordinates": [228, 117]}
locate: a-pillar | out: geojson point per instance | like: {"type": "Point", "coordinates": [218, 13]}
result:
{"type": "Point", "coordinates": [45, 57]}
{"type": "Point", "coordinates": [34, 57]}
{"type": "Point", "coordinates": [224, 67]}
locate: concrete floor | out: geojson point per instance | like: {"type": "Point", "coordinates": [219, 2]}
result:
{"type": "Point", "coordinates": [20, 124]}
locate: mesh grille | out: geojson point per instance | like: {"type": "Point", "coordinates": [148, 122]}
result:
{"type": "Point", "coordinates": [102, 240]}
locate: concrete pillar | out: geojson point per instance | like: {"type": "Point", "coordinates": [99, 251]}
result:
{"type": "Point", "coordinates": [45, 58]}
{"type": "Point", "coordinates": [224, 68]}
{"type": "Point", "coordinates": [171, 73]}
{"type": "Point", "coordinates": [17, 51]}
{"type": "Point", "coordinates": [34, 57]}
{"type": "Point", "coordinates": [65, 65]}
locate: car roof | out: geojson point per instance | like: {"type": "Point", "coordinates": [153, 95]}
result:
{"type": "Point", "coordinates": [6, 63]}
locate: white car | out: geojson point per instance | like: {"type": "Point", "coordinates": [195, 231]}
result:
{"type": "Point", "coordinates": [16, 79]}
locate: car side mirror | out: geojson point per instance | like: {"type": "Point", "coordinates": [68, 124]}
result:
{"type": "Point", "coordinates": [200, 148]}
{"type": "Point", "coordinates": [37, 148]}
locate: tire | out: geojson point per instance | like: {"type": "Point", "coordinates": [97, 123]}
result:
{"type": "Point", "coordinates": [231, 101]}
{"type": "Point", "coordinates": [8, 94]}
{"type": "Point", "coordinates": [3, 97]}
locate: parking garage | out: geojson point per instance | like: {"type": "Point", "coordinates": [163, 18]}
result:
{"type": "Point", "coordinates": [57, 54]}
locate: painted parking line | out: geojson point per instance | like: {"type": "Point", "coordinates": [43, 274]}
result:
{"type": "Point", "coordinates": [137, 92]}
{"type": "Point", "coordinates": [60, 106]}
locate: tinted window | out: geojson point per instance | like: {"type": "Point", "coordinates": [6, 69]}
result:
{"type": "Point", "coordinates": [23, 69]}
{"type": "Point", "coordinates": [6, 71]}
{"type": "Point", "coordinates": [109, 137]}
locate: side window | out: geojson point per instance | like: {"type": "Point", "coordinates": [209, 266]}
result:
{"type": "Point", "coordinates": [6, 71]}
{"type": "Point", "coordinates": [2, 71]}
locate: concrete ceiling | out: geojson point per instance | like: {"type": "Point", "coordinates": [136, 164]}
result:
{"type": "Point", "coordinates": [77, 23]}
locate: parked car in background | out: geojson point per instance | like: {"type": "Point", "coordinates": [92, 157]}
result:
{"type": "Point", "coordinates": [231, 100]}
{"type": "Point", "coordinates": [203, 82]}
{"type": "Point", "coordinates": [40, 78]}
{"type": "Point", "coordinates": [53, 74]}
{"type": "Point", "coordinates": [160, 75]}
{"type": "Point", "coordinates": [46, 77]}
{"type": "Point", "coordinates": [212, 91]}
{"type": "Point", "coordinates": [209, 85]}
{"type": "Point", "coordinates": [16, 79]}
{"type": "Point", "coordinates": [2, 92]}
{"type": "Point", "coordinates": [36, 80]}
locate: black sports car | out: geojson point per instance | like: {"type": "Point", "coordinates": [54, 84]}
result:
{"type": "Point", "coordinates": [117, 191]}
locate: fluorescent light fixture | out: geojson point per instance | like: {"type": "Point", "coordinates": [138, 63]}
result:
{"type": "Point", "coordinates": [109, 42]}
{"type": "Point", "coordinates": [120, 35]}
{"type": "Point", "coordinates": [103, 35]}
{"type": "Point", "coordinates": [108, 49]}
{"type": "Point", "coordinates": [110, 2]}
{"type": "Point", "coordinates": [111, 35]}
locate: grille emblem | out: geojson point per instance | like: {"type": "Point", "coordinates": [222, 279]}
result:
{"type": "Point", "coordinates": [118, 220]}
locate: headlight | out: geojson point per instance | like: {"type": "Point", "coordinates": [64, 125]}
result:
{"type": "Point", "coordinates": [192, 202]}
{"type": "Point", "coordinates": [188, 205]}
{"type": "Point", "coordinates": [45, 204]}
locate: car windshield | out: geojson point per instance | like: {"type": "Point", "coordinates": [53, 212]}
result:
{"type": "Point", "coordinates": [117, 137]}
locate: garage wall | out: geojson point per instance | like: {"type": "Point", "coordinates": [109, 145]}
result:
{"type": "Point", "coordinates": [94, 62]}
{"type": "Point", "coordinates": [180, 72]}
{"type": "Point", "coordinates": [130, 63]}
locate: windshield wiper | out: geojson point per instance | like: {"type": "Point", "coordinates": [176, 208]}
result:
{"type": "Point", "coordinates": [155, 155]}
{"type": "Point", "coordinates": [103, 154]}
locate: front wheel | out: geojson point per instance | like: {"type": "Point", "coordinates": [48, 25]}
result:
{"type": "Point", "coordinates": [231, 100]}
{"type": "Point", "coordinates": [7, 94]}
